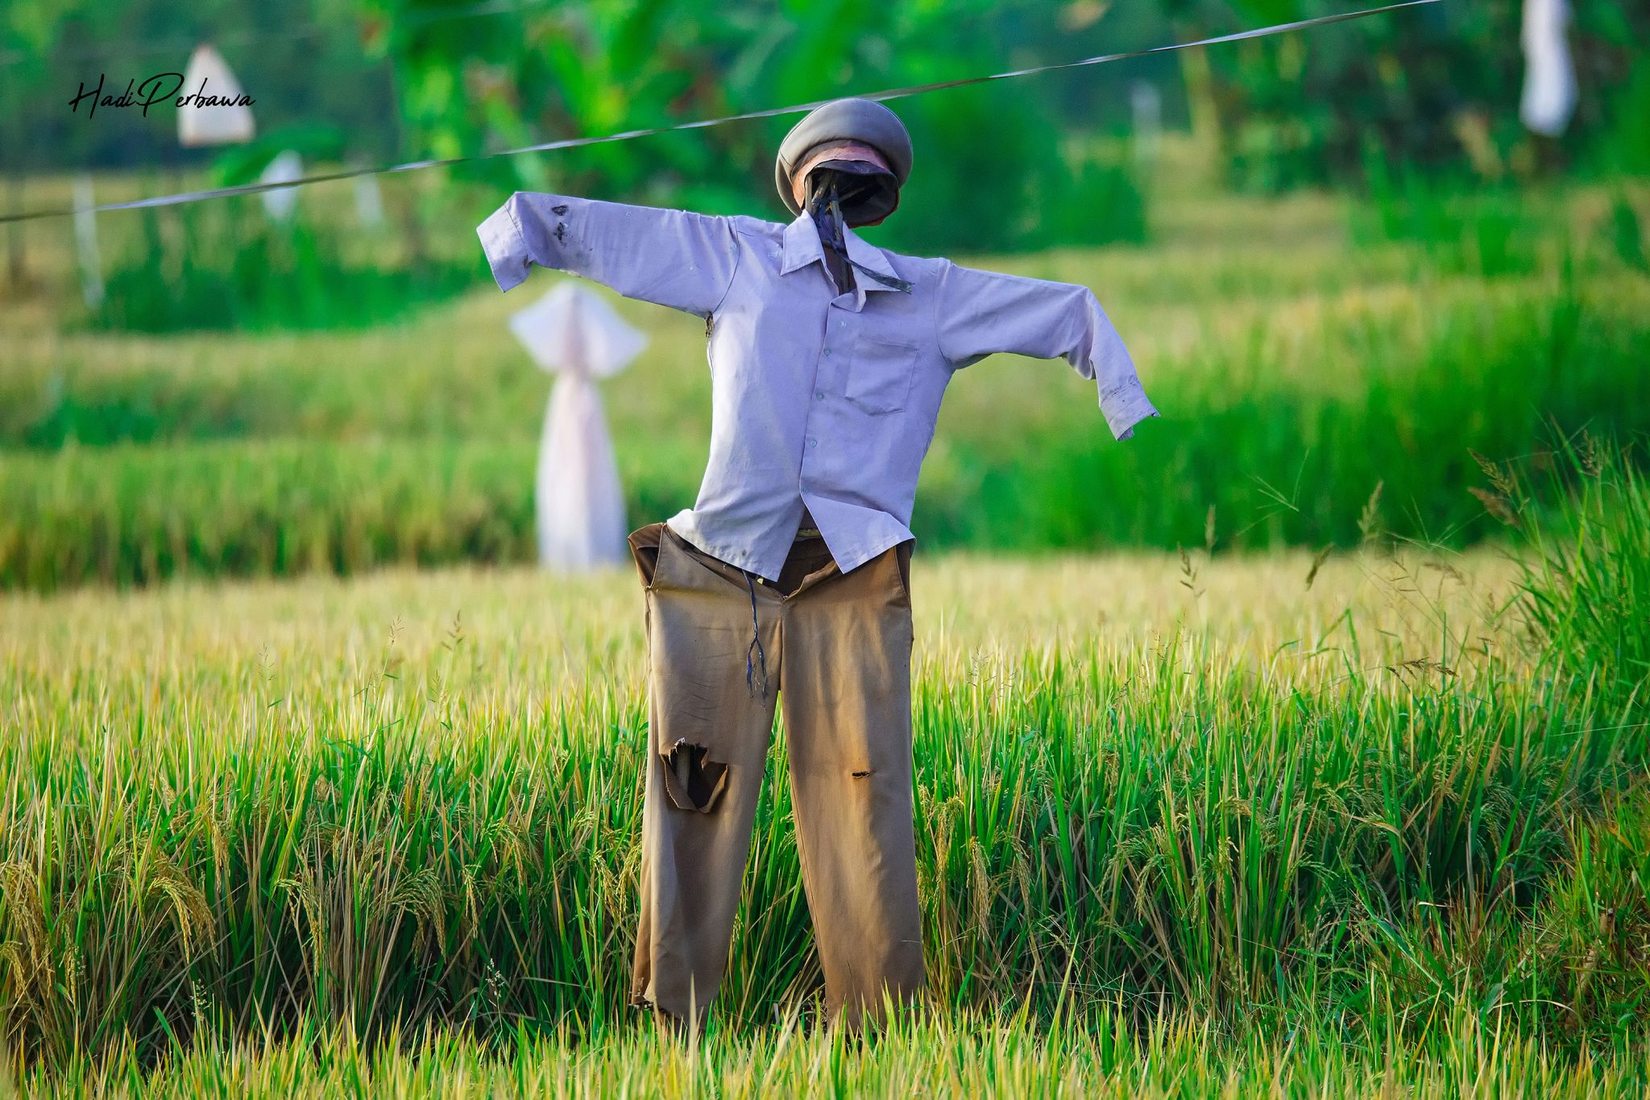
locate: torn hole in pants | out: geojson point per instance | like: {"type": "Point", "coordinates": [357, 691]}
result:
{"type": "Point", "coordinates": [692, 781]}
{"type": "Point", "coordinates": [755, 646]}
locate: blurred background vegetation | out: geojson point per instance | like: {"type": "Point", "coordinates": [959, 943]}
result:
{"type": "Point", "coordinates": [1344, 266]}
{"type": "Point", "coordinates": [1431, 88]}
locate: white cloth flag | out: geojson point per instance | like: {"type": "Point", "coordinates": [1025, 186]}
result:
{"type": "Point", "coordinates": [219, 124]}
{"type": "Point", "coordinates": [85, 238]}
{"type": "Point", "coordinates": [574, 333]}
{"type": "Point", "coordinates": [282, 203]}
{"type": "Point", "coordinates": [369, 202]}
{"type": "Point", "coordinates": [1549, 74]}
{"type": "Point", "coordinates": [1147, 104]}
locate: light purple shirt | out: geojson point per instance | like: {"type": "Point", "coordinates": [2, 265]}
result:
{"type": "Point", "coordinates": [817, 398]}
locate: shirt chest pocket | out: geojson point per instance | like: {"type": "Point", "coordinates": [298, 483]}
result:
{"type": "Point", "coordinates": [879, 378]}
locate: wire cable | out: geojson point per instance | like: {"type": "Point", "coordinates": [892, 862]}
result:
{"type": "Point", "coordinates": [182, 197]}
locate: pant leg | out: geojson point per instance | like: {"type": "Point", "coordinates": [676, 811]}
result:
{"type": "Point", "coordinates": [708, 738]}
{"type": "Point", "coordinates": [847, 700]}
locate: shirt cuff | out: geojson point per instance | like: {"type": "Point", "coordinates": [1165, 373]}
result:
{"type": "Point", "coordinates": [506, 248]}
{"type": "Point", "coordinates": [1124, 406]}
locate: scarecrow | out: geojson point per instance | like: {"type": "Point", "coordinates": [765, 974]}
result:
{"type": "Point", "coordinates": [788, 582]}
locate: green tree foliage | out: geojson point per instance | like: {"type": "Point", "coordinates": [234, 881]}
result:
{"type": "Point", "coordinates": [302, 62]}
{"type": "Point", "coordinates": [1435, 87]}
{"type": "Point", "coordinates": [608, 66]}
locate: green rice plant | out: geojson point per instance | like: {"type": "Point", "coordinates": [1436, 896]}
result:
{"type": "Point", "coordinates": [224, 265]}
{"type": "Point", "coordinates": [1097, 200]}
{"type": "Point", "coordinates": [1457, 227]}
{"type": "Point", "coordinates": [1169, 830]}
{"type": "Point", "coordinates": [1587, 586]}
{"type": "Point", "coordinates": [229, 824]}
{"type": "Point", "coordinates": [1627, 235]}
{"type": "Point", "coordinates": [1283, 462]}
{"type": "Point", "coordinates": [1304, 394]}
{"type": "Point", "coordinates": [1281, 458]}
{"type": "Point", "coordinates": [1569, 963]}
{"type": "Point", "coordinates": [132, 516]}
{"type": "Point", "coordinates": [370, 884]}
{"type": "Point", "coordinates": [1568, 958]}
{"type": "Point", "coordinates": [1597, 920]}
{"type": "Point", "coordinates": [920, 1053]}
{"type": "Point", "coordinates": [1618, 148]}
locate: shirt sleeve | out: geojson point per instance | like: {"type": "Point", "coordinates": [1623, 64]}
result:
{"type": "Point", "coordinates": [985, 312]}
{"type": "Point", "coordinates": [673, 258]}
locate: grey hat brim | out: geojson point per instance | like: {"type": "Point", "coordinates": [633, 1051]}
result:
{"type": "Point", "coordinates": [853, 119]}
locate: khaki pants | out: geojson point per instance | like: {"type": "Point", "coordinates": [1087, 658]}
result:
{"type": "Point", "coordinates": [836, 651]}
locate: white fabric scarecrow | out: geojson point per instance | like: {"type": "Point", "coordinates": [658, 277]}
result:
{"type": "Point", "coordinates": [1549, 74]}
{"type": "Point", "coordinates": [221, 123]}
{"type": "Point", "coordinates": [573, 332]}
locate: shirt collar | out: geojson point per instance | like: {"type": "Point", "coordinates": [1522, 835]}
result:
{"type": "Point", "coordinates": [803, 247]}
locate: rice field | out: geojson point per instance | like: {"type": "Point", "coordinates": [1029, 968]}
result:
{"type": "Point", "coordinates": [1327, 824]}
{"type": "Point", "coordinates": [1316, 376]}
{"type": "Point", "coordinates": [1297, 747]}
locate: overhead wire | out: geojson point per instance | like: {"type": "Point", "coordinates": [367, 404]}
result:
{"type": "Point", "coordinates": [181, 197]}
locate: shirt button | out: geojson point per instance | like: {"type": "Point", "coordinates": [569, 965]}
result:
{"type": "Point", "coordinates": [820, 394]}
{"type": "Point", "coordinates": [812, 442]}
{"type": "Point", "coordinates": [827, 353]}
